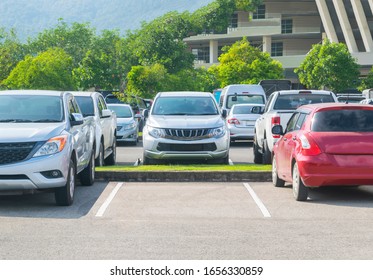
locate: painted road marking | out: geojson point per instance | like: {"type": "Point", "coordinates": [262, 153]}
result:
{"type": "Point", "coordinates": [107, 202]}
{"type": "Point", "coordinates": [257, 200]}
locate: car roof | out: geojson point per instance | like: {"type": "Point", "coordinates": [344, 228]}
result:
{"type": "Point", "coordinates": [118, 105]}
{"type": "Point", "coordinates": [304, 91]}
{"type": "Point", "coordinates": [184, 93]}
{"type": "Point", "coordinates": [247, 104]}
{"type": "Point", "coordinates": [32, 92]}
{"type": "Point", "coordinates": [333, 106]}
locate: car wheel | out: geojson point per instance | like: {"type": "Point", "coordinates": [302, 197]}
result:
{"type": "Point", "coordinates": [277, 182]}
{"type": "Point", "coordinates": [64, 196]}
{"type": "Point", "coordinates": [258, 157]}
{"type": "Point", "coordinates": [266, 154]}
{"type": "Point", "coordinates": [300, 191]}
{"type": "Point", "coordinates": [100, 158]}
{"type": "Point", "coordinates": [87, 176]}
{"type": "Point", "coordinates": [111, 159]}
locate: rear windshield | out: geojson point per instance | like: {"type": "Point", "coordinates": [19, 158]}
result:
{"type": "Point", "coordinates": [293, 101]}
{"type": "Point", "coordinates": [237, 110]}
{"type": "Point", "coordinates": [352, 120]}
{"type": "Point", "coordinates": [244, 99]}
{"type": "Point", "coordinates": [187, 105]}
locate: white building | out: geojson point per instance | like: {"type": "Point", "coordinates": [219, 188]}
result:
{"type": "Point", "coordinates": [287, 29]}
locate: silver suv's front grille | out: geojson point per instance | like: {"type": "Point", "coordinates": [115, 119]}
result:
{"type": "Point", "coordinates": [15, 152]}
{"type": "Point", "coordinates": [187, 134]}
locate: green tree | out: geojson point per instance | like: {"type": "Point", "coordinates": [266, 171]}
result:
{"type": "Point", "coordinates": [367, 82]}
{"type": "Point", "coordinates": [244, 64]}
{"type": "Point", "coordinates": [105, 64]}
{"type": "Point", "coordinates": [49, 70]}
{"type": "Point", "coordinates": [328, 65]}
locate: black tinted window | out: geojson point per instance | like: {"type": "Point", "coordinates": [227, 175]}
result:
{"type": "Point", "coordinates": [344, 120]}
{"type": "Point", "coordinates": [293, 101]}
{"type": "Point", "coordinates": [86, 105]}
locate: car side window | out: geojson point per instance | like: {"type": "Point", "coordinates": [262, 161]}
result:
{"type": "Point", "coordinates": [268, 102]}
{"type": "Point", "coordinates": [292, 122]}
{"type": "Point", "coordinates": [101, 105]}
{"type": "Point", "coordinates": [300, 121]}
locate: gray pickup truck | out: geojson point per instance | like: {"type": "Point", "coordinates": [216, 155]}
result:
{"type": "Point", "coordinates": [45, 143]}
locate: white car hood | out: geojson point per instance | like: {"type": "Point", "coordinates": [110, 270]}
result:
{"type": "Point", "coordinates": [29, 132]}
{"type": "Point", "coordinates": [124, 121]}
{"type": "Point", "coordinates": [187, 122]}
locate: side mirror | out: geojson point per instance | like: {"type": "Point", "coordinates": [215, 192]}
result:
{"type": "Point", "coordinates": [257, 110]}
{"type": "Point", "coordinates": [106, 113]}
{"type": "Point", "coordinates": [277, 130]}
{"type": "Point", "coordinates": [76, 119]}
{"type": "Point", "coordinates": [224, 113]}
{"type": "Point", "coordinates": [146, 113]}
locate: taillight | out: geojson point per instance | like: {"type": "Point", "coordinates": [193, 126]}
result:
{"type": "Point", "coordinates": [309, 146]}
{"type": "Point", "coordinates": [276, 120]}
{"type": "Point", "coordinates": [233, 121]}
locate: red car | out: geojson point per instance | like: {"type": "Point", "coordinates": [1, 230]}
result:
{"type": "Point", "coordinates": [324, 145]}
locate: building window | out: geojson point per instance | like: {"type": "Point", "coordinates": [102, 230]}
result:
{"type": "Point", "coordinates": [277, 49]}
{"type": "Point", "coordinates": [202, 54]}
{"type": "Point", "coordinates": [233, 21]}
{"type": "Point", "coordinates": [260, 12]}
{"type": "Point", "coordinates": [286, 26]}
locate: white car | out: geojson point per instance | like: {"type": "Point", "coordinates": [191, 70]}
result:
{"type": "Point", "coordinates": [241, 121]}
{"type": "Point", "coordinates": [127, 123]}
{"type": "Point", "coordinates": [185, 126]}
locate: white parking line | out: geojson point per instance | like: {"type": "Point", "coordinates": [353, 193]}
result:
{"type": "Point", "coordinates": [105, 205]}
{"type": "Point", "coordinates": [257, 200]}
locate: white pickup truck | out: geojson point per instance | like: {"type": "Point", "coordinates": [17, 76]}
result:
{"type": "Point", "coordinates": [278, 110]}
{"type": "Point", "coordinates": [93, 105]}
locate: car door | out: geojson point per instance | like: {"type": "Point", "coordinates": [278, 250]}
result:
{"type": "Point", "coordinates": [105, 122]}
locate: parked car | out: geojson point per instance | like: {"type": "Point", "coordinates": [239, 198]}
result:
{"type": "Point", "coordinates": [324, 145]}
{"type": "Point", "coordinates": [127, 123]}
{"type": "Point", "coordinates": [367, 101]}
{"type": "Point", "coordinates": [93, 105]}
{"type": "Point", "coordinates": [278, 110]}
{"type": "Point", "coordinates": [350, 98]}
{"type": "Point", "coordinates": [45, 143]}
{"type": "Point", "coordinates": [241, 93]}
{"type": "Point", "coordinates": [241, 121]}
{"type": "Point", "coordinates": [185, 126]}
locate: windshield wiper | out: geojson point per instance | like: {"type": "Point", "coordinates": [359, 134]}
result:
{"type": "Point", "coordinates": [15, 121]}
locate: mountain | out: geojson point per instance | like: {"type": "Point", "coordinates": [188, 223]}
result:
{"type": "Point", "coordinates": [29, 17]}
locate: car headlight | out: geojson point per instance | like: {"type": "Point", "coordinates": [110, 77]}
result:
{"type": "Point", "coordinates": [130, 126]}
{"type": "Point", "coordinates": [218, 132]}
{"type": "Point", "coordinates": [52, 146]}
{"type": "Point", "coordinates": [156, 132]}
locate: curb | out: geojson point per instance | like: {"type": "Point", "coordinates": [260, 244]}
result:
{"type": "Point", "coordinates": [180, 176]}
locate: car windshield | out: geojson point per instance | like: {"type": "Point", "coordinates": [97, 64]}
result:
{"type": "Point", "coordinates": [86, 105]}
{"type": "Point", "coordinates": [121, 111]}
{"type": "Point", "coordinates": [31, 108]}
{"type": "Point", "coordinates": [352, 120]}
{"type": "Point", "coordinates": [293, 101]}
{"type": "Point", "coordinates": [186, 105]}
{"type": "Point", "coordinates": [244, 99]}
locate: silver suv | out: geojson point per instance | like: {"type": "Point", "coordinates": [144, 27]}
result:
{"type": "Point", "coordinates": [185, 126]}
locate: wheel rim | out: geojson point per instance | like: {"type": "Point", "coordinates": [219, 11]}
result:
{"type": "Point", "coordinates": [295, 180]}
{"type": "Point", "coordinates": [101, 157]}
{"type": "Point", "coordinates": [93, 166]}
{"type": "Point", "coordinates": [72, 181]}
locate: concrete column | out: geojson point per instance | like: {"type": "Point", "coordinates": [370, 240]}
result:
{"type": "Point", "coordinates": [267, 44]}
{"type": "Point", "coordinates": [213, 51]}
{"type": "Point", "coordinates": [346, 26]}
{"type": "Point", "coordinates": [327, 21]}
{"type": "Point", "coordinates": [363, 24]}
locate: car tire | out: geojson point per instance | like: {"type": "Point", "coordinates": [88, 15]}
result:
{"type": "Point", "coordinates": [300, 191]}
{"type": "Point", "coordinates": [111, 159]}
{"type": "Point", "coordinates": [148, 161]}
{"type": "Point", "coordinates": [267, 156]}
{"type": "Point", "coordinates": [258, 157]}
{"type": "Point", "coordinates": [87, 176]}
{"type": "Point", "coordinates": [100, 158]}
{"type": "Point", "coordinates": [277, 182]}
{"type": "Point", "coordinates": [64, 196]}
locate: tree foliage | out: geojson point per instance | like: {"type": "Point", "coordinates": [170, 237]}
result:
{"type": "Point", "coordinates": [49, 70]}
{"type": "Point", "coordinates": [244, 64]}
{"type": "Point", "coordinates": [329, 65]}
{"type": "Point", "coordinates": [367, 82]}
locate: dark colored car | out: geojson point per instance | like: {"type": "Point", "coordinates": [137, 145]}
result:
{"type": "Point", "coordinates": [324, 145]}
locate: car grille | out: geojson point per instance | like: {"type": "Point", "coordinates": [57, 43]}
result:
{"type": "Point", "coordinates": [187, 134]}
{"type": "Point", "coordinates": [209, 147]}
{"type": "Point", "coordinates": [15, 152]}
